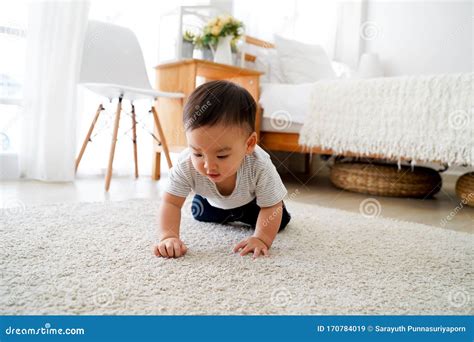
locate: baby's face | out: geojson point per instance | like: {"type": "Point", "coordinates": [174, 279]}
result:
{"type": "Point", "coordinates": [218, 151]}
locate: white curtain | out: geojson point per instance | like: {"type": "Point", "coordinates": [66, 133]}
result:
{"type": "Point", "coordinates": [351, 28]}
{"type": "Point", "coordinates": [55, 37]}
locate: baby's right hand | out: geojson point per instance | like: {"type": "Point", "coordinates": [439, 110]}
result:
{"type": "Point", "coordinates": [171, 247]}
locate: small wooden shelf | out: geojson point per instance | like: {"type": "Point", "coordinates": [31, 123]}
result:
{"type": "Point", "coordinates": [210, 69]}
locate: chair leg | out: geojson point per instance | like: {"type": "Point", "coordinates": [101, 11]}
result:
{"type": "Point", "coordinates": [134, 132]}
{"type": "Point", "coordinates": [162, 136]}
{"type": "Point", "coordinates": [108, 176]}
{"type": "Point", "coordinates": [155, 171]}
{"type": "Point", "coordinates": [88, 136]}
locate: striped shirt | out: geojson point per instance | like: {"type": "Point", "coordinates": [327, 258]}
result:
{"type": "Point", "coordinates": [257, 177]}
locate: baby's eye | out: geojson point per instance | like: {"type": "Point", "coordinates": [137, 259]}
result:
{"type": "Point", "coordinates": [197, 155]}
{"type": "Point", "coordinates": [222, 157]}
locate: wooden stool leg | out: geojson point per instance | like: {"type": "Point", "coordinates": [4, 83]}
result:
{"type": "Point", "coordinates": [164, 145]}
{"type": "Point", "coordinates": [134, 132]}
{"type": "Point", "coordinates": [108, 176]}
{"type": "Point", "coordinates": [88, 136]}
{"type": "Point", "coordinates": [155, 171]}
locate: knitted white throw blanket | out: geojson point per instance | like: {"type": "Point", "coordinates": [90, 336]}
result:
{"type": "Point", "coordinates": [423, 118]}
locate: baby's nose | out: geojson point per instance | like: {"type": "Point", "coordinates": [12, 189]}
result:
{"type": "Point", "coordinates": [209, 165]}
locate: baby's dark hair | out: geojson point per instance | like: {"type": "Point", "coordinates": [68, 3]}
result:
{"type": "Point", "coordinates": [219, 102]}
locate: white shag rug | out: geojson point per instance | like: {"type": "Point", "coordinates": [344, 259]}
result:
{"type": "Point", "coordinates": [96, 258]}
{"type": "Point", "coordinates": [425, 118]}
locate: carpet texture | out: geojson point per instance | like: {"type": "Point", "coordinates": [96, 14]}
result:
{"type": "Point", "coordinates": [95, 258]}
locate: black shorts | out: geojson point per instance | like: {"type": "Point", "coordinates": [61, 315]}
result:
{"type": "Point", "coordinates": [248, 213]}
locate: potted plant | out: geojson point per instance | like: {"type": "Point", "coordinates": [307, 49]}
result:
{"type": "Point", "coordinates": [205, 49]}
{"type": "Point", "coordinates": [219, 33]}
{"type": "Point", "coordinates": [188, 44]}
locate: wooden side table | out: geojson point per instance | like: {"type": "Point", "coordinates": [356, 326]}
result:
{"type": "Point", "coordinates": [180, 76]}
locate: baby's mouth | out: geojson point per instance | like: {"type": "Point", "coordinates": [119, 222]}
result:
{"type": "Point", "coordinates": [213, 175]}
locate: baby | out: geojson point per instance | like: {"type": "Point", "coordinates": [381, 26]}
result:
{"type": "Point", "coordinates": [232, 177]}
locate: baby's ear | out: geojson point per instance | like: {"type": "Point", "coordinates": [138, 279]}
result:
{"type": "Point", "coordinates": [251, 143]}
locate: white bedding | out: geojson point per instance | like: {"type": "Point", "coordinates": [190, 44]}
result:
{"type": "Point", "coordinates": [287, 105]}
{"type": "Point", "coordinates": [285, 102]}
{"type": "Point", "coordinates": [425, 118]}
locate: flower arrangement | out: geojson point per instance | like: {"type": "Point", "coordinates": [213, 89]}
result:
{"type": "Point", "coordinates": [188, 36]}
{"type": "Point", "coordinates": [199, 43]}
{"type": "Point", "coordinates": [221, 26]}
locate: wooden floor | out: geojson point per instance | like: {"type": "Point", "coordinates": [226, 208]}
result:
{"type": "Point", "coordinates": [313, 189]}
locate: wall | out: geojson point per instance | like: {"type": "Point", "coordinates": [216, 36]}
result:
{"type": "Point", "coordinates": [414, 37]}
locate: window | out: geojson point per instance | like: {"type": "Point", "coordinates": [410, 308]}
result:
{"type": "Point", "coordinates": [13, 19]}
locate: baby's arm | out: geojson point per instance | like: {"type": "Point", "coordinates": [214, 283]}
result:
{"type": "Point", "coordinates": [268, 224]}
{"type": "Point", "coordinates": [170, 245]}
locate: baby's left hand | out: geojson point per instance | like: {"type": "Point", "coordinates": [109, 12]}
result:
{"type": "Point", "coordinates": [252, 244]}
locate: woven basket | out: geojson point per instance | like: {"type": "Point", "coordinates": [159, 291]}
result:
{"type": "Point", "coordinates": [386, 180]}
{"type": "Point", "coordinates": [465, 188]}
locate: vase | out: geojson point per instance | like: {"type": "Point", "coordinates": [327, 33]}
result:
{"type": "Point", "coordinates": [187, 49]}
{"type": "Point", "coordinates": [223, 52]}
{"type": "Point", "coordinates": [207, 54]}
{"type": "Point", "coordinates": [236, 58]}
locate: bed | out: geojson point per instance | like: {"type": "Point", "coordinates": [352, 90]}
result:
{"type": "Point", "coordinates": [427, 107]}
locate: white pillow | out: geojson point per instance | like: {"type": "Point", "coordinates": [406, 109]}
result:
{"type": "Point", "coordinates": [267, 61]}
{"type": "Point", "coordinates": [275, 74]}
{"type": "Point", "coordinates": [301, 62]}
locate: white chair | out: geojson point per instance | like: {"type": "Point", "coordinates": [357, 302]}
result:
{"type": "Point", "coordinates": [113, 66]}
